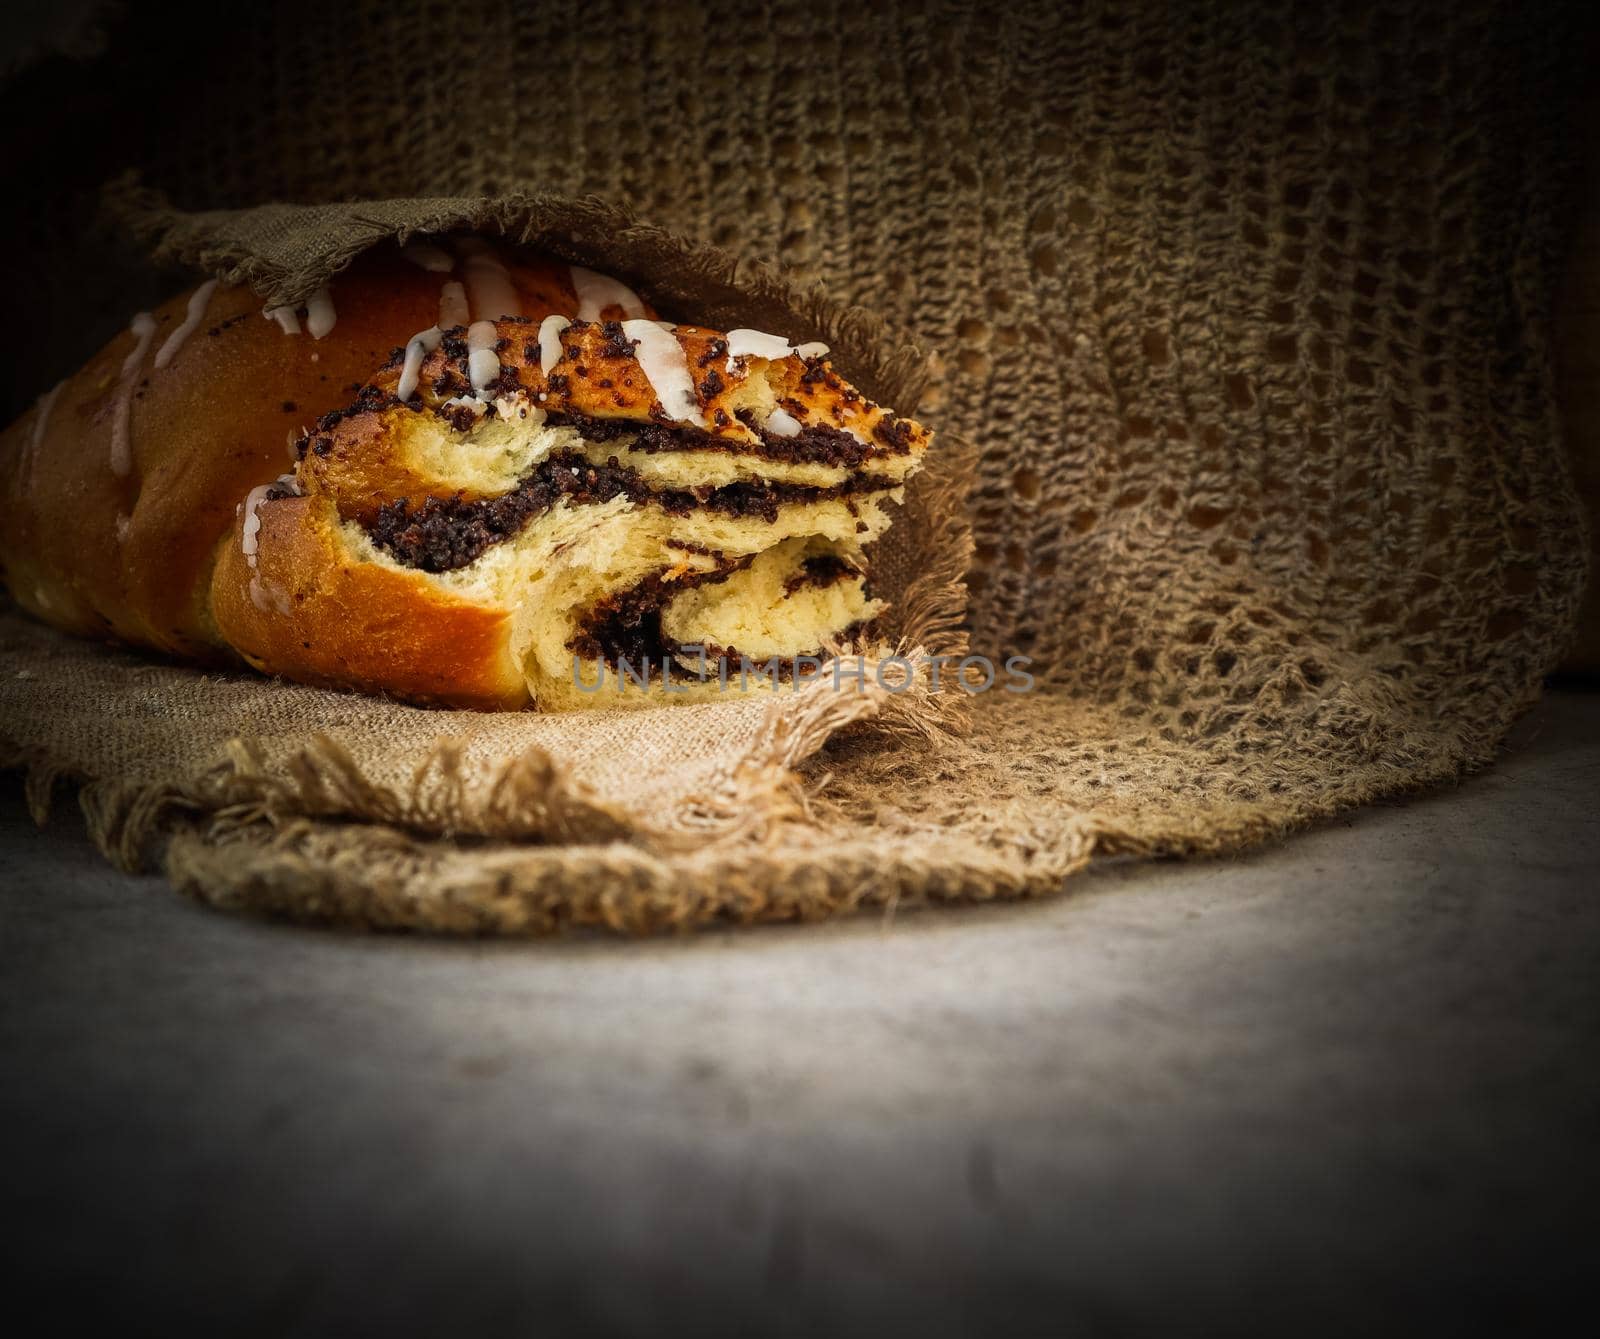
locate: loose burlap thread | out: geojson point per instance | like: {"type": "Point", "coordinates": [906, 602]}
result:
{"type": "Point", "coordinates": [1245, 314]}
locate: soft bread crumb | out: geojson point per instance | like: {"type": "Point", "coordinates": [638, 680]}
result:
{"type": "Point", "coordinates": [767, 609]}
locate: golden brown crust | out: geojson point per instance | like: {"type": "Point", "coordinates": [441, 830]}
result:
{"type": "Point", "coordinates": [598, 377]}
{"type": "Point", "coordinates": [362, 459]}
{"type": "Point", "coordinates": [127, 556]}
{"type": "Point", "coordinates": [169, 546]}
{"type": "Point", "coordinates": [300, 604]}
{"type": "Point", "coordinates": [133, 549]}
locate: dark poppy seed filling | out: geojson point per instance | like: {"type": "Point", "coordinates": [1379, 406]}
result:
{"type": "Point", "coordinates": [814, 444]}
{"type": "Point", "coordinates": [627, 627]}
{"type": "Point", "coordinates": [443, 534]}
{"type": "Point", "coordinates": [821, 569]}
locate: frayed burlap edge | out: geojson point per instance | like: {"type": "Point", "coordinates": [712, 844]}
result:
{"type": "Point", "coordinates": [531, 804]}
{"type": "Point", "coordinates": [378, 878]}
{"type": "Point", "coordinates": [532, 798]}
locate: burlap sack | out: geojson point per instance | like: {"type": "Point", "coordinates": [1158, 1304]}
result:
{"type": "Point", "coordinates": [1244, 311]}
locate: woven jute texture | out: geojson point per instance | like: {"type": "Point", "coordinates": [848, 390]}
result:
{"type": "Point", "coordinates": [1243, 306]}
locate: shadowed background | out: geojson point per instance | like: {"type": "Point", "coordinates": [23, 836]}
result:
{"type": "Point", "coordinates": [1242, 307]}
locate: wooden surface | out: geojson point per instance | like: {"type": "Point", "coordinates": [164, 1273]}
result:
{"type": "Point", "coordinates": [1344, 1086]}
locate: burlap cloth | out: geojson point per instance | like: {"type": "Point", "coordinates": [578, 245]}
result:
{"type": "Point", "coordinates": [1244, 310]}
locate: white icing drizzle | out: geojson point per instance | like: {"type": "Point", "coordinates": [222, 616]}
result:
{"type": "Point", "coordinates": [287, 321]}
{"type": "Point", "coordinates": [550, 342]}
{"type": "Point", "coordinates": [47, 402]}
{"type": "Point", "coordinates": [320, 314]}
{"type": "Point", "coordinates": [267, 598]}
{"type": "Point", "coordinates": [432, 258]}
{"type": "Point", "coordinates": [249, 536]}
{"type": "Point", "coordinates": [465, 402]}
{"type": "Point", "coordinates": [418, 347]}
{"type": "Point", "coordinates": [453, 309]}
{"type": "Point", "coordinates": [143, 329]}
{"type": "Point", "coordinates": [759, 344]}
{"type": "Point", "coordinates": [41, 423]}
{"type": "Point", "coordinates": [483, 366]}
{"type": "Point", "coordinates": [596, 292]}
{"type": "Point", "coordinates": [252, 521]}
{"type": "Point", "coordinates": [199, 300]}
{"type": "Point", "coordinates": [488, 281]}
{"type": "Point", "coordinates": [666, 368]}
{"type": "Point", "coordinates": [517, 406]}
{"type": "Point", "coordinates": [781, 423]}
